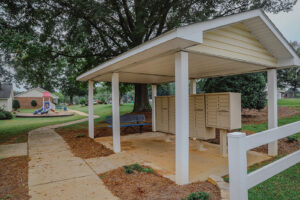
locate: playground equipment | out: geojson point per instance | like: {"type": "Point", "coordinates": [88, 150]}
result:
{"type": "Point", "coordinates": [47, 105]}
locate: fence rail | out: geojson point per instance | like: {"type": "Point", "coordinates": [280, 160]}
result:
{"type": "Point", "coordinates": [239, 144]}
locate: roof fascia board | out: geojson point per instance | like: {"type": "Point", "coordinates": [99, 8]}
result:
{"type": "Point", "coordinates": [294, 60]}
{"type": "Point", "coordinates": [224, 21]}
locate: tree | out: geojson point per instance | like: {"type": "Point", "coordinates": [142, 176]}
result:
{"type": "Point", "coordinates": [33, 103]}
{"type": "Point", "coordinates": [290, 77]}
{"type": "Point", "coordinates": [251, 86]}
{"type": "Point", "coordinates": [16, 104]}
{"type": "Point", "coordinates": [41, 37]}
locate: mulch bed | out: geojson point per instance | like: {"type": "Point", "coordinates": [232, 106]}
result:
{"type": "Point", "coordinates": [261, 116]}
{"type": "Point", "coordinates": [284, 147]}
{"type": "Point", "coordinates": [14, 178]}
{"type": "Point", "coordinates": [141, 185]}
{"type": "Point", "coordinates": [83, 146]}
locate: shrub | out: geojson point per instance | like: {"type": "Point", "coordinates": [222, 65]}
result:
{"type": "Point", "coordinates": [5, 114]}
{"type": "Point", "coordinates": [8, 115]}
{"type": "Point", "coordinates": [2, 115]}
{"type": "Point", "coordinates": [82, 101]}
{"type": "Point", "coordinates": [33, 103]}
{"type": "Point", "coordinates": [292, 138]}
{"type": "Point", "coordinates": [130, 169]}
{"type": "Point", "coordinates": [197, 196]}
{"type": "Point", "coordinates": [16, 104]}
{"type": "Point", "coordinates": [80, 135]}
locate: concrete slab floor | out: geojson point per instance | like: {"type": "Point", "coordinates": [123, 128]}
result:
{"type": "Point", "coordinates": [9, 150]}
{"type": "Point", "coordinates": [151, 148]}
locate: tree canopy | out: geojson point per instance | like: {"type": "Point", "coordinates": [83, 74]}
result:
{"type": "Point", "coordinates": [290, 78]}
{"type": "Point", "coordinates": [48, 41]}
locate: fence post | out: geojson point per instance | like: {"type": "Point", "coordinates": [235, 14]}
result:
{"type": "Point", "coordinates": [237, 161]}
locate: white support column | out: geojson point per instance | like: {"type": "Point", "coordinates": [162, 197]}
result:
{"type": "Point", "coordinates": [154, 93]}
{"type": "Point", "coordinates": [193, 87]}
{"type": "Point", "coordinates": [237, 163]}
{"type": "Point", "coordinates": [91, 109]}
{"type": "Point", "coordinates": [116, 113]}
{"type": "Point", "coordinates": [182, 117]}
{"type": "Point", "coordinates": [272, 109]}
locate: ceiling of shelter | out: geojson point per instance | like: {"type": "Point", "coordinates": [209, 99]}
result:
{"type": "Point", "coordinates": [161, 70]}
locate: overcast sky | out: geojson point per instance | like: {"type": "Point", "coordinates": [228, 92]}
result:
{"type": "Point", "coordinates": [288, 23]}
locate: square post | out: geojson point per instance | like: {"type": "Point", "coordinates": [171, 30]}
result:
{"type": "Point", "coordinates": [272, 109]}
{"type": "Point", "coordinates": [91, 108]}
{"type": "Point", "coordinates": [193, 87]}
{"type": "Point", "coordinates": [237, 164]}
{"type": "Point", "coordinates": [182, 117]}
{"type": "Point", "coordinates": [116, 113]}
{"type": "Point", "coordinates": [154, 93]}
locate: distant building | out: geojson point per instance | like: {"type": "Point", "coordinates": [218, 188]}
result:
{"type": "Point", "coordinates": [25, 98]}
{"type": "Point", "coordinates": [6, 96]}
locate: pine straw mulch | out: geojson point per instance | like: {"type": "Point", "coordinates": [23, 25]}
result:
{"type": "Point", "coordinates": [146, 186]}
{"type": "Point", "coordinates": [284, 147]}
{"type": "Point", "coordinates": [14, 178]}
{"type": "Point", "coordinates": [253, 116]}
{"type": "Point", "coordinates": [82, 146]}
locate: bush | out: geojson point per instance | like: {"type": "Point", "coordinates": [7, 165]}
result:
{"type": "Point", "coordinates": [5, 114]}
{"type": "Point", "coordinates": [8, 115]}
{"type": "Point", "coordinates": [292, 138]}
{"type": "Point", "coordinates": [197, 196]}
{"type": "Point", "coordinates": [82, 101]}
{"type": "Point", "coordinates": [16, 104]}
{"type": "Point", "coordinates": [136, 167]}
{"type": "Point", "coordinates": [2, 115]}
{"type": "Point", "coordinates": [33, 103]}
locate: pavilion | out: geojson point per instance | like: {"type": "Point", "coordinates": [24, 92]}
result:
{"type": "Point", "coordinates": [242, 43]}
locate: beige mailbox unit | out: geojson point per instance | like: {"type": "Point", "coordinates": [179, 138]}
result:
{"type": "Point", "coordinates": [223, 110]}
{"type": "Point", "coordinates": [165, 116]}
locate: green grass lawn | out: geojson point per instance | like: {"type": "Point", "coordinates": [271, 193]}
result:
{"type": "Point", "coordinates": [101, 110]}
{"type": "Point", "coordinates": [18, 127]}
{"type": "Point", "coordinates": [289, 102]}
{"type": "Point", "coordinates": [283, 186]}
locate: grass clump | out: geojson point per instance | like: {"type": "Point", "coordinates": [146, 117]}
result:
{"type": "Point", "coordinates": [80, 135]}
{"type": "Point", "coordinates": [292, 138]}
{"type": "Point", "coordinates": [136, 167]}
{"type": "Point", "coordinates": [197, 196]}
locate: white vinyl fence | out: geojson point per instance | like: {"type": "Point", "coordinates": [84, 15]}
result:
{"type": "Point", "coordinates": [239, 144]}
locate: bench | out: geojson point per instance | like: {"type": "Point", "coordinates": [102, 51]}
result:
{"type": "Point", "coordinates": [129, 121]}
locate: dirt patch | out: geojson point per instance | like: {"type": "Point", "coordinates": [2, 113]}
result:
{"type": "Point", "coordinates": [141, 185]}
{"type": "Point", "coordinates": [82, 146]}
{"type": "Point", "coordinates": [284, 147]}
{"type": "Point", "coordinates": [14, 178]}
{"type": "Point", "coordinates": [261, 116]}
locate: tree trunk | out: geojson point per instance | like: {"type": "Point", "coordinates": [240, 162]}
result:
{"type": "Point", "coordinates": [71, 100]}
{"type": "Point", "coordinates": [141, 100]}
{"type": "Point", "coordinates": [295, 91]}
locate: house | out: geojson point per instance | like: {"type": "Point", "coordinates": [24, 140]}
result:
{"type": "Point", "coordinates": [6, 96]}
{"type": "Point", "coordinates": [25, 98]}
{"type": "Point", "coordinates": [237, 44]}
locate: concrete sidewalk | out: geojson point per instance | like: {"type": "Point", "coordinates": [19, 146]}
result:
{"type": "Point", "coordinates": [54, 173]}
